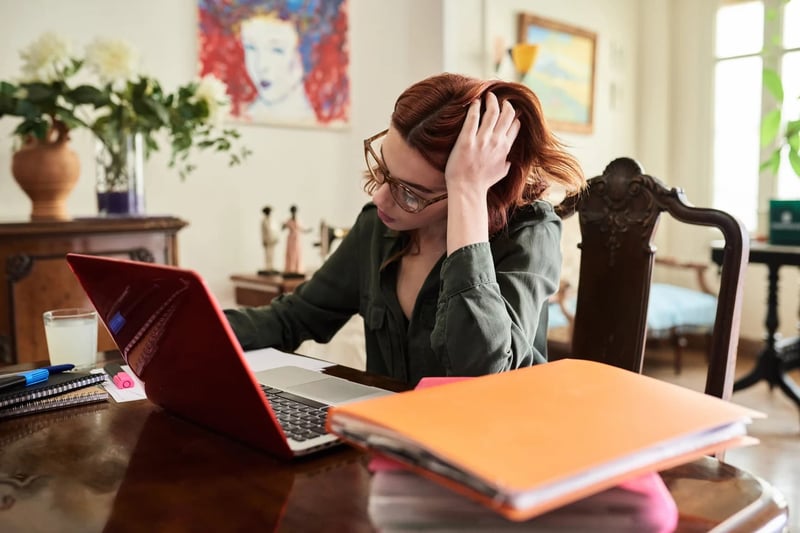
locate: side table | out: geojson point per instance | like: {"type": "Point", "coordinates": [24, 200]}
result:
{"type": "Point", "coordinates": [777, 356]}
{"type": "Point", "coordinates": [253, 290]}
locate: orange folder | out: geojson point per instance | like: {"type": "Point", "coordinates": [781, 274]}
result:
{"type": "Point", "coordinates": [527, 441]}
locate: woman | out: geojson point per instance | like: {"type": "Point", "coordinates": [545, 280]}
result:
{"type": "Point", "coordinates": [452, 263]}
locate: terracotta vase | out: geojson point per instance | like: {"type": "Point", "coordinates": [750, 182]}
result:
{"type": "Point", "coordinates": [47, 171]}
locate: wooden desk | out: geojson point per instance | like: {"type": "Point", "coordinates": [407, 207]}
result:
{"type": "Point", "coordinates": [37, 277]}
{"type": "Point", "coordinates": [254, 290]}
{"type": "Point", "coordinates": [776, 357]}
{"type": "Point", "coordinates": [132, 467]}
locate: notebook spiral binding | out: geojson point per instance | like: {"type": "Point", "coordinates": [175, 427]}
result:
{"type": "Point", "coordinates": [74, 397]}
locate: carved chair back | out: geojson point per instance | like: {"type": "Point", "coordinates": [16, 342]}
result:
{"type": "Point", "coordinates": [618, 215]}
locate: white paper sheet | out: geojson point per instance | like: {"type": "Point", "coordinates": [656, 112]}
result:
{"type": "Point", "coordinates": [257, 360]}
{"type": "Point", "coordinates": [124, 395]}
{"type": "Point", "coordinates": [266, 358]}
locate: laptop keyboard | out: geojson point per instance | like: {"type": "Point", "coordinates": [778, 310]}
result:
{"type": "Point", "coordinates": [300, 418]}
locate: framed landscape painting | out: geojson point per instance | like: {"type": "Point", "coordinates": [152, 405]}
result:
{"type": "Point", "coordinates": [562, 75]}
{"type": "Point", "coordinates": [285, 62]}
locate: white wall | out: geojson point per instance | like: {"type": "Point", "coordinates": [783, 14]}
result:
{"type": "Point", "coordinates": [650, 103]}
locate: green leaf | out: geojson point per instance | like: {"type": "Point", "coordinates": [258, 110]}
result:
{"type": "Point", "coordinates": [41, 92]}
{"type": "Point", "coordinates": [770, 125]}
{"type": "Point", "coordinates": [772, 164]}
{"type": "Point", "coordinates": [7, 88]}
{"type": "Point", "coordinates": [157, 109]}
{"type": "Point", "coordinates": [69, 118]}
{"type": "Point", "coordinates": [86, 94]}
{"type": "Point", "coordinates": [792, 128]}
{"type": "Point", "coordinates": [793, 141]}
{"type": "Point", "coordinates": [36, 128]}
{"type": "Point", "coordinates": [772, 81]}
{"type": "Point", "coordinates": [28, 110]}
{"type": "Point", "coordinates": [794, 161]}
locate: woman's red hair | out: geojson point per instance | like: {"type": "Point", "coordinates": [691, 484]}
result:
{"type": "Point", "coordinates": [430, 113]}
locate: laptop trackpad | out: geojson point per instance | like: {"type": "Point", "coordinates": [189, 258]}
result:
{"type": "Point", "coordinates": [335, 391]}
{"type": "Point", "coordinates": [316, 386]}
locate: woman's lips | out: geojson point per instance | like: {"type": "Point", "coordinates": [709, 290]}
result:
{"type": "Point", "coordinates": [386, 219]}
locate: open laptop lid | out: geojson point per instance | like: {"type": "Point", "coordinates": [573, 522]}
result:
{"type": "Point", "coordinates": [175, 338]}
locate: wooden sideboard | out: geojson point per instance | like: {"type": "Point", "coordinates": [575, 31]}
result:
{"type": "Point", "coordinates": [37, 277]}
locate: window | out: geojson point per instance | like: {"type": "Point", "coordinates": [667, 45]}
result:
{"type": "Point", "coordinates": [752, 35]}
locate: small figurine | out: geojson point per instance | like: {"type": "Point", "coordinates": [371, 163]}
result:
{"type": "Point", "coordinates": [269, 238]}
{"type": "Point", "coordinates": [294, 253]}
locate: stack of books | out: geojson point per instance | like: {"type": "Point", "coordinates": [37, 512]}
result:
{"type": "Point", "coordinates": [59, 390]}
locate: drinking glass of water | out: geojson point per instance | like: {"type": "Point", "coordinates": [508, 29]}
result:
{"type": "Point", "coordinates": [71, 336]}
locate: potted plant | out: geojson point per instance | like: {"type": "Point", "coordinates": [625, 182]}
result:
{"type": "Point", "coordinates": [47, 103]}
{"type": "Point", "coordinates": [127, 111]}
{"type": "Point", "coordinates": [133, 110]}
{"type": "Point", "coordinates": [784, 215]}
{"type": "Point", "coordinates": [787, 139]}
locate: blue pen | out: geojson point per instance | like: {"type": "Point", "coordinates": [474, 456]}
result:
{"type": "Point", "coordinates": [57, 369]}
{"type": "Point", "coordinates": [26, 378]}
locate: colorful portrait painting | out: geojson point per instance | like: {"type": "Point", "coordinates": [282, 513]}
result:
{"type": "Point", "coordinates": [285, 61]}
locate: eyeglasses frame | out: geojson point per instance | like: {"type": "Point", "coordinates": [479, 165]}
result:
{"type": "Point", "coordinates": [393, 182]}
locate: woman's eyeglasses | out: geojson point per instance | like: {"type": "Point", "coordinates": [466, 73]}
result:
{"type": "Point", "coordinates": [407, 199]}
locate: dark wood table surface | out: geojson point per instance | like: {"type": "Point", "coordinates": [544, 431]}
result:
{"type": "Point", "coordinates": [133, 467]}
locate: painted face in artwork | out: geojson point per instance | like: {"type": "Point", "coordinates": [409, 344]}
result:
{"type": "Point", "coordinates": [272, 57]}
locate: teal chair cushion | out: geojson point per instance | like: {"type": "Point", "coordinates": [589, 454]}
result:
{"type": "Point", "coordinates": [677, 307]}
{"type": "Point", "coordinates": [670, 307]}
{"type": "Point", "coordinates": [555, 317]}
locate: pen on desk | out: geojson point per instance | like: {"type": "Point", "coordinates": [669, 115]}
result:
{"type": "Point", "coordinates": [37, 372]}
{"type": "Point", "coordinates": [120, 378]}
{"type": "Point", "coordinates": [26, 378]}
{"type": "Point", "coordinates": [57, 369]}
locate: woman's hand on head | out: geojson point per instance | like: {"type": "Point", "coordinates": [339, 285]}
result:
{"type": "Point", "coordinates": [479, 157]}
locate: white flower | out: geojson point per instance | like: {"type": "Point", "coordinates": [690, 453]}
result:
{"type": "Point", "coordinates": [46, 58]}
{"type": "Point", "coordinates": [115, 61]}
{"type": "Point", "coordinates": [214, 92]}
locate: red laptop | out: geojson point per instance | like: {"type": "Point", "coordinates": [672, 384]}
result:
{"type": "Point", "coordinates": [172, 333]}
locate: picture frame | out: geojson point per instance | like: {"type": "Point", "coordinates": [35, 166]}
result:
{"type": "Point", "coordinates": [563, 74]}
{"type": "Point", "coordinates": [284, 63]}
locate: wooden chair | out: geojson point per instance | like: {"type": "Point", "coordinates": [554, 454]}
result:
{"type": "Point", "coordinates": [674, 312]}
{"type": "Point", "coordinates": [618, 214]}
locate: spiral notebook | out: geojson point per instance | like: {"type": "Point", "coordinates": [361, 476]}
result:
{"type": "Point", "coordinates": [55, 385]}
{"type": "Point", "coordinates": [84, 395]}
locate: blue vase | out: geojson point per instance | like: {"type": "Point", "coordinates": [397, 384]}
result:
{"type": "Point", "coordinates": [120, 176]}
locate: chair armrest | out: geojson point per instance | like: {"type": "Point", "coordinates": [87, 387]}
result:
{"type": "Point", "coordinates": [699, 269]}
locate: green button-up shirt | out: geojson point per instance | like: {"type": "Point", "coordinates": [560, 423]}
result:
{"type": "Point", "coordinates": [481, 310]}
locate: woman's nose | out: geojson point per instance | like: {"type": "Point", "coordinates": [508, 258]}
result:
{"type": "Point", "coordinates": [382, 196]}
